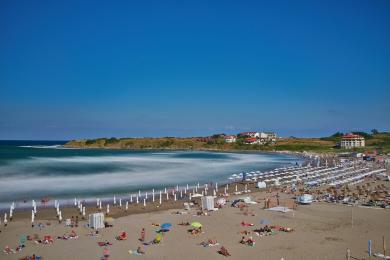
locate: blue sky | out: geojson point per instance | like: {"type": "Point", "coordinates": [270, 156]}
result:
{"type": "Point", "coordinates": [85, 69]}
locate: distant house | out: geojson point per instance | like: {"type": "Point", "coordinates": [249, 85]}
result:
{"type": "Point", "coordinates": [249, 134]}
{"type": "Point", "coordinates": [252, 140]}
{"type": "Point", "coordinates": [352, 141]}
{"type": "Point", "coordinates": [230, 139]}
{"type": "Point", "coordinates": [271, 136]}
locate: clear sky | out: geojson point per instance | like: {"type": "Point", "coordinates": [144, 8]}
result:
{"type": "Point", "coordinates": [84, 69]}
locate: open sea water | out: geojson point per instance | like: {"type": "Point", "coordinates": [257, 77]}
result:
{"type": "Point", "coordinates": [36, 169]}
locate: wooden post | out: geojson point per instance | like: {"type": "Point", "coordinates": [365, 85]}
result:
{"type": "Point", "coordinates": [384, 246]}
{"type": "Point", "coordinates": [348, 254]}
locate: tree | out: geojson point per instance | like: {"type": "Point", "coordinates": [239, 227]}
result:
{"type": "Point", "coordinates": [374, 131]}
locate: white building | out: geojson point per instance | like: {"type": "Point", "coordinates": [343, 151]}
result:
{"type": "Point", "coordinates": [230, 139]}
{"type": "Point", "coordinates": [351, 141]}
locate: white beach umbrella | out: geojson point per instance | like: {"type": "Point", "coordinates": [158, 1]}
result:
{"type": "Point", "coordinates": [120, 202]}
{"type": "Point", "coordinates": [108, 209]}
{"type": "Point", "coordinates": [114, 200]}
{"type": "Point", "coordinates": [153, 195]}
{"type": "Point", "coordinates": [175, 197]}
{"type": "Point", "coordinates": [137, 200]}
{"type": "Point", "coordinates": [127, 205]}
{"type": "Point", "coordinates": [100, 204]}
{"type": "Point", "coordinates": [144, 202]}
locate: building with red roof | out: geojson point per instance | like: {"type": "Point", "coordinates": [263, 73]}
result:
{"type": "Point", "coordinates": [351, 140]}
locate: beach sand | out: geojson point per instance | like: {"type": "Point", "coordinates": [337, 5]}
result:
{"type": "Point", "coordinates": [321, 231]}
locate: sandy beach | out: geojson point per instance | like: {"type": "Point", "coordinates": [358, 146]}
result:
{"type": "Point", "coordinates": [321, 231]}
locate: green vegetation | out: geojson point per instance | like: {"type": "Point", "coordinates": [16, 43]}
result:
{"type": "Point", "coordinates": [375, 140]}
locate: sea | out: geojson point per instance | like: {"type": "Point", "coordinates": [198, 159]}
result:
{"type": "Point", "coordinates": [45, 169]}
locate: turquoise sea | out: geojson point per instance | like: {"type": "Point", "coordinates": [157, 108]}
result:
{"type": "Point", "coordinates": [36, 169]}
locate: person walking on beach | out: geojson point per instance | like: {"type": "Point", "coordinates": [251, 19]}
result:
{"type": "Point", "coordinates": [142, 239]}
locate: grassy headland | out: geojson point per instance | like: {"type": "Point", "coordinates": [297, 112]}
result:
{"type": "Point", "coordinates": [379, 141]}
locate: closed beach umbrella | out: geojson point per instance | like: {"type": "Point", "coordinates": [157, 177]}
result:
{"type": "Point", "coordinates": [265, 222]}
{"type": "Point", "coordinates": [166, 226]}
{"type": "Point", "coordinates": [196, 224]}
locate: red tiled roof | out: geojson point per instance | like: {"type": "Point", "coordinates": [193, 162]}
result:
{"type": "Point", "coordinates": [251, 140]}
{"type": "Point", "coordinates": [351, 136]}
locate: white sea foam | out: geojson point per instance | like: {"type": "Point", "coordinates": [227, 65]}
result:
{"type": "Point", "coordinates": [129, 172]}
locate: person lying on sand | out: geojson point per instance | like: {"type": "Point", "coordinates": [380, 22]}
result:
{"type": "Point", "coordinates": [20, 247]}
{"type": "Point", "coordinates": [106, 243]}
{"type": "Point", "coordinates": [250, 241]}
{"type": "Point", "coordinates": [140, 251]}
{"type": "Point", "coordinates": [184, 224]}
{"type": "Point", "coordinates": [223, 251]}
{"type": "Point", "coordinates": [7, 250]}
{"type": "Point", "coordinates": [209, 242]}
{"type": "Point", "coordinates": [244, 224]}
